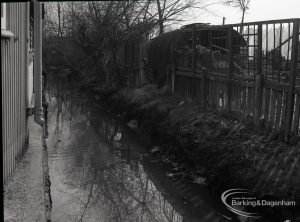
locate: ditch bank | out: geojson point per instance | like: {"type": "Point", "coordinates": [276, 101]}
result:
{"type": "Point", "coordinates": [227, 153]}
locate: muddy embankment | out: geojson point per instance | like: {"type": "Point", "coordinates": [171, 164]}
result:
{"type": "Point", "coordinates": [45, 165]}
{"type": "Point", "coordinates": [228, 153]}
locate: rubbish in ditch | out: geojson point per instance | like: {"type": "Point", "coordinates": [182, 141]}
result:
{"type": "Point", "coordinates": [187, 196]}
{"type": "Point", "coordinates": [167, 160]}
{"type": "Point", "coordinates": [226, 217]}
{"type": "Point", "coordinates": [118, 136]}
{"type": "Point", "coordinates": [133, 124]}
{"type": "Point", "coordinates": [181, 103]}
{"type": "Point", "coordinates": [174, 174]}
{"type": "Point", "coordinates": [154, 149]}
{"type": "Point", "coordinates": [200, 180]}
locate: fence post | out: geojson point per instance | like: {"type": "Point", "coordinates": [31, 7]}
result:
{"type": "Point", "coordinates": [194, 53]}
{"type": "Point", "coordinates": [141, 44]}
{"type": "Point", "coordinates": [204, 87]}
{"type": "Point", "coordinates": [258, 80]}
{"type": "Point", "coordinates": [230, 62]}
{"type": "Point", "coordinates": [290, 99]}
{"type": "Point", "coordinates": [172, 68]}
{"type": "Point", "coordinates": [193, 85]}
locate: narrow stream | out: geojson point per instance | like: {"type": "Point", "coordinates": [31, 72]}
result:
{"type": "Point", "coordinates": [101, 171]}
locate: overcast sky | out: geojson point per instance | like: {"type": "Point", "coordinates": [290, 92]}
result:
{"type": "Point", "coordinates": [259, 10]}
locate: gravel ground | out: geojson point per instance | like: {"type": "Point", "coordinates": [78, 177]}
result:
{"type": "Point", "coordinates": [24, 194]}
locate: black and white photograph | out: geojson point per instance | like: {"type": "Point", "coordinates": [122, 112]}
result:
{"type": "Point", "coordinates": [150, 111]}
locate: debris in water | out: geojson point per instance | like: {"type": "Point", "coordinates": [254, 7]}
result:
{"type": "Point", "coordinates": [155, 149]}
{"type": "Point", "coordinates": [187, 196]}
{"type": "Point", "coordinates": [118, 136]}
{"type": "Point", "coordinates": [167, 160]}
{"type": "Point", "coordinates": [174, 174]}
{"type": "Point", "coordinates": [133, 124]}
{"type": "Point", "coordinates": [174, 164]}
{"type": "Point", "coordinates": [199, 180]}
{"type": "Point", "coordinates": [181, 103]}
{"type": "Point", "coordinates": [226, 217]}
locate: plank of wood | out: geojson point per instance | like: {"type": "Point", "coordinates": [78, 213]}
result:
{"type": "Point", "coordinates": [178, 79]}
{"type": "Point", "coordinates": [242, 83]}
{"type": "Point", "coordinates": [283, 112]}
{"type": "Point", "coordinates": [267, 106]}
{"type": "Point", "coordinates": [278, 110]}
{"type": "Point", "coordinates": [272, 108]}
{"type": "Point", "coordinates": [220, 102]}
{"type": "Point", "coordinates": [196, 86]}
{"type": "Point", "coordinates": [235, 98]}
{"type": "Point", "coordinates": [224, 96]}
{"type": "Point", "coordinates": [263, 100]}
{"type": "Point", "coordinates": [193, 90]}
{"type": "Point", "coordinates": [175, 84]}
{"type": "Point", "coordinates": [209, 92]}
{"type": "Point", "coordinates": [244, 112]}
{"type": "Point", "coordinates": [202, 90]}
{"type": "Point", "coordinates": [296, 115]}
{"type": "Point", "coordinates": [217, 95]}
{"type": "Point", "coordinates": [252, 102]}
{"type": "Point", "coordinates": [194, 81]}
{"type": "Point", "coordinates": [188, 87]}
{"type": "Point", "coordinates": [181, 86]}
{"type": "Point", "coordinates": [247, 103]}
{"type": "Point", "coordinates": [185, 85]}
{"type": "Point", "coordinates": [239, 99]}
{"type": "Point", "coordinates": [276, 85]}
{"type": "Point", "coordinates": [295, 45]}
{"type": "Point", "coordinates": [213, 97]}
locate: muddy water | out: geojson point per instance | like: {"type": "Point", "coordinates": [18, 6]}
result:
{"type": "Point", "coordinates": [101, 171]}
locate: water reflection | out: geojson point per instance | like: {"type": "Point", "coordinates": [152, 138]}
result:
{"type": "Point", "coordinates": [96, 170]}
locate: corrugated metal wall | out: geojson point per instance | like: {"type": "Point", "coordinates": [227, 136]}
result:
{"type": "Point", "coordinates": [14, 73]}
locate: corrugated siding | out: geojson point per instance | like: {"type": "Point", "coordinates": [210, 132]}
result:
{"type": "Point", "coordinates": [13, 74]}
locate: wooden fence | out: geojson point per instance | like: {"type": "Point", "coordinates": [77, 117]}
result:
{"type": "Point", "coordinates": [251, 69]}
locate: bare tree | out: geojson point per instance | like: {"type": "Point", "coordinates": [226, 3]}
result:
{"type": "Point", "coordinates": [169, 11]}
{"type": "Point", "coordinates": [97, 31]}
{"type": "Point", "coordinates": [243, 5]}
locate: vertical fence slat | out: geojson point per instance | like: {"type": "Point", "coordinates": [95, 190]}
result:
{"type": "Point", "coordinates": [278, 109]}
{"type": "Point", "coordinates": [284, 105]}
{"type": "Point", "coordinates": [258, 79]}
{"type": "Point", "coordinates": [267, 106]}
{"type": "Point", "coordinates": [230, 69]}
{"type": "Point", "coordinates": [273, 108]}
{"type": "Point", "coordinates": [290, 98]}
{"type": "Point", "coordinates": [296, 116]}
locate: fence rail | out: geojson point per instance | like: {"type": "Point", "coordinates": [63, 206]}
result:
{"type": "Point", "coordinates": [252, 69]}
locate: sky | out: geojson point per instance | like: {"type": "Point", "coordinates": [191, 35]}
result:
{"type": "Point", "coordinates": [259, 10]}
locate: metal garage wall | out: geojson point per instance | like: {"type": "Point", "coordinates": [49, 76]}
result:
{"type": "Point", "coordinates": [13, 74]}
